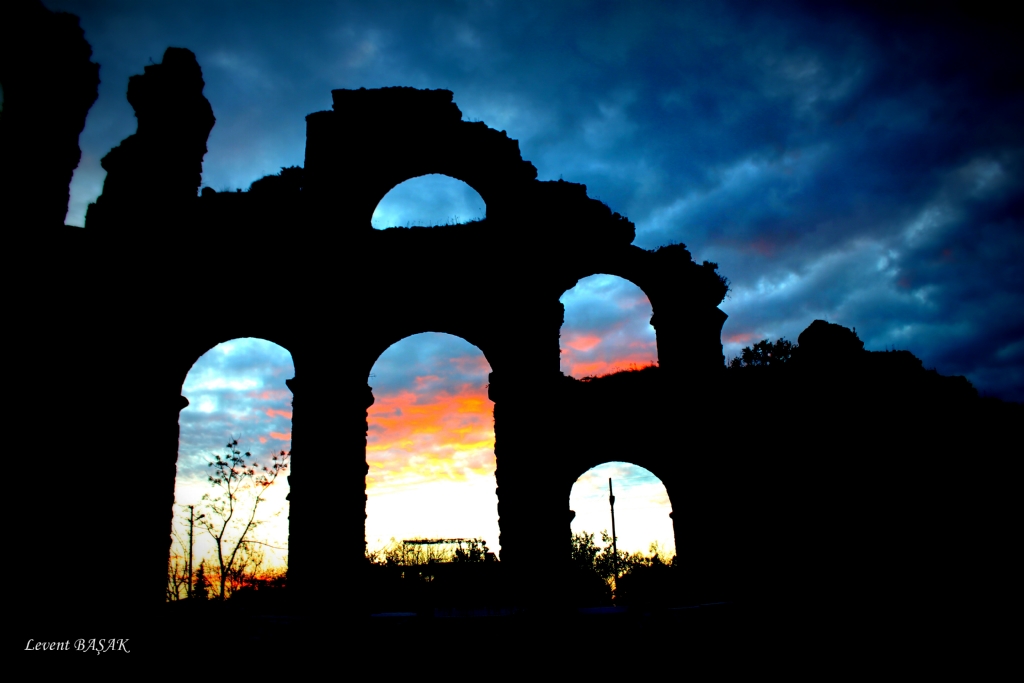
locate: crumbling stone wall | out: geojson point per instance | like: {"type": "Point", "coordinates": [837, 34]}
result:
{"type": "Point", "coordinates": [780, 489]}
{"type": "Point", "coordinates": [49, 83]}
{"type": "Point", "coordinates": [373, 140]}
{"type": "Point", "coordinates": [153, 176]}
{"type": "Point", "coordinates": [495, 282]}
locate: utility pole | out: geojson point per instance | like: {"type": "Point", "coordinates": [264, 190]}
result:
{"type": "Point", "coordinates": [191, 524]}
{"type": "Point", "coordinates": [615, 544]}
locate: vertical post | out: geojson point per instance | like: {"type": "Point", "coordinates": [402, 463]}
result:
{"type": "Point", "coordinates": [615, 544]}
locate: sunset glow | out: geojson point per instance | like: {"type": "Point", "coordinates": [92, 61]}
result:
{"type": "Point", "coordinates": [430, 444]}
{"type": "Point", "coordinates": [430, 441]}
{"type": "Point", "coordinates": [236, 390]}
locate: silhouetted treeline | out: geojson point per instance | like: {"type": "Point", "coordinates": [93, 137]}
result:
{"type": "Point", "coordinates": [424, 577]}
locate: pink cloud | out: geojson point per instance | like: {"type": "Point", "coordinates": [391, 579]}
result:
{"type": "Point", "coordinates": [739, 338]}
{"type": "Point", "coordinates": [582, 342]}
{"type": "Point", "coordinates": [275, 395]}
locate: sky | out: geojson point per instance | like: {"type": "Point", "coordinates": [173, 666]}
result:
{"type": "Point", "coordinates": [859, 163]}
{"type": "Point", "coordinates": [606, 328]}
{"type": "Point", "coordinates": [236, 391]}
{"type": "Point", "coordinates": [642, 508]}
{"type": "Point", "coordinates": [430, 441]}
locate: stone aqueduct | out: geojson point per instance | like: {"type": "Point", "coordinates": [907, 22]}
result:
{"type": "Point", "coordinates": [160, 275]}
{"type": "Point", "coordinates": [495, 283]}
{"type": "Point", "coordinates": [861, 480]}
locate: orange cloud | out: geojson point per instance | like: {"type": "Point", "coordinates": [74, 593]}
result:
{"type": "Point", "coordinates": [281, 436]}
{"type": "Point", "coordinates": [263, 439]}
{"type": "Point", "coordinates": [271, 412]}
{"type": "Point", "coordinates": [418, 436]}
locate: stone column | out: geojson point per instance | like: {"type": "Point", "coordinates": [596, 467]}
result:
{"type": "Point", "coordinates": [689, 339]}
{"type": "Point", "coordinates": [157, 422]}
{"type": "Point", "coordinates": [530, 500]}
{"type": "Point", "coordinates": [327, 520]}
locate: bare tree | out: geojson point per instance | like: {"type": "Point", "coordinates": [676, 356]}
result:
{"type": "Point", "coordinates": [231, 515]}
{"type": "Point", "coordinates": [178, 579]}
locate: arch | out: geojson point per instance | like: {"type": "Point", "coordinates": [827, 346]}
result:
{"type": "Point", "coordinates": [429, 200]}
{"type": "Point", "coordinates": [235, 390]}
{"type": "Point", "coordinates": [606, 327]}
{"type": "Point", "coordinates": [643, 507]}
{"type": "Point", "coordinates": [377, 345]}
{"type": "Point", "coordinates": [414, 133]}
{"type": "Point", "coordinates": [430, 435]}
{"type": "Point", "coordinates": [193, 348]}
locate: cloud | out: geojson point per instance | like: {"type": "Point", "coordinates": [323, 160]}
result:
{"type": "Point", "coordinates": [433, 426]}
{"type": "Point", "coordinates": [235, 390]}
{"type": "Point", "coordinates": [606, 327]}
{"type": "Point", "coordinates": [451, 361]}
{"type": "Point", "coordinates": [795, 144]}
{"type": "Point", "coordinates": [430, 443]}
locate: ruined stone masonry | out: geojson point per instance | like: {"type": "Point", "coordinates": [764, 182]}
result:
{"type": "Point", "coordinates": [778, 488]}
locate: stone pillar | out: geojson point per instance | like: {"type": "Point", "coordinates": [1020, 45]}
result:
{"type": "Point", "coordinates": [157, 422]}
{"type": "Point", "coordinates": [327, 521]}
{"type": "Point", "coordinates": [530, 500]}
{"type": "Point", "coordinates": [689, 339]}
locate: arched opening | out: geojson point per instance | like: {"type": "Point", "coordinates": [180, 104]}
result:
{"type": "Point", "coordinates": [606, 328]}
{"type": "Point", "coordinates": [611, 558]}
{"type": "Point", "coordinates": [429, 200]}
{"type": "Point", "coordinates": [430, 443]}
{"type": "Point", "coordinates": [431, 502]}
{"type": "Point", "coordinates": [237, 395]}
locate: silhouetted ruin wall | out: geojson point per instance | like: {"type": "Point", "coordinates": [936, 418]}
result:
{"type": "Point", "coordinates": [778, 485]}
{"type": "Point", "coordinates": [49, 84]}
{"type": "Point", "coordinates": [154, 175]}
{"type": "Point", "coordinates": [495, 283]}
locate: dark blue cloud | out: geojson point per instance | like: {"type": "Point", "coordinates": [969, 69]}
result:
{"type": "Point", "coordinates": [854, 162]}
{"type": "Point", "coordinates": [236, 390]}
{"type": "Point", "coordinates": [429, 363]}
